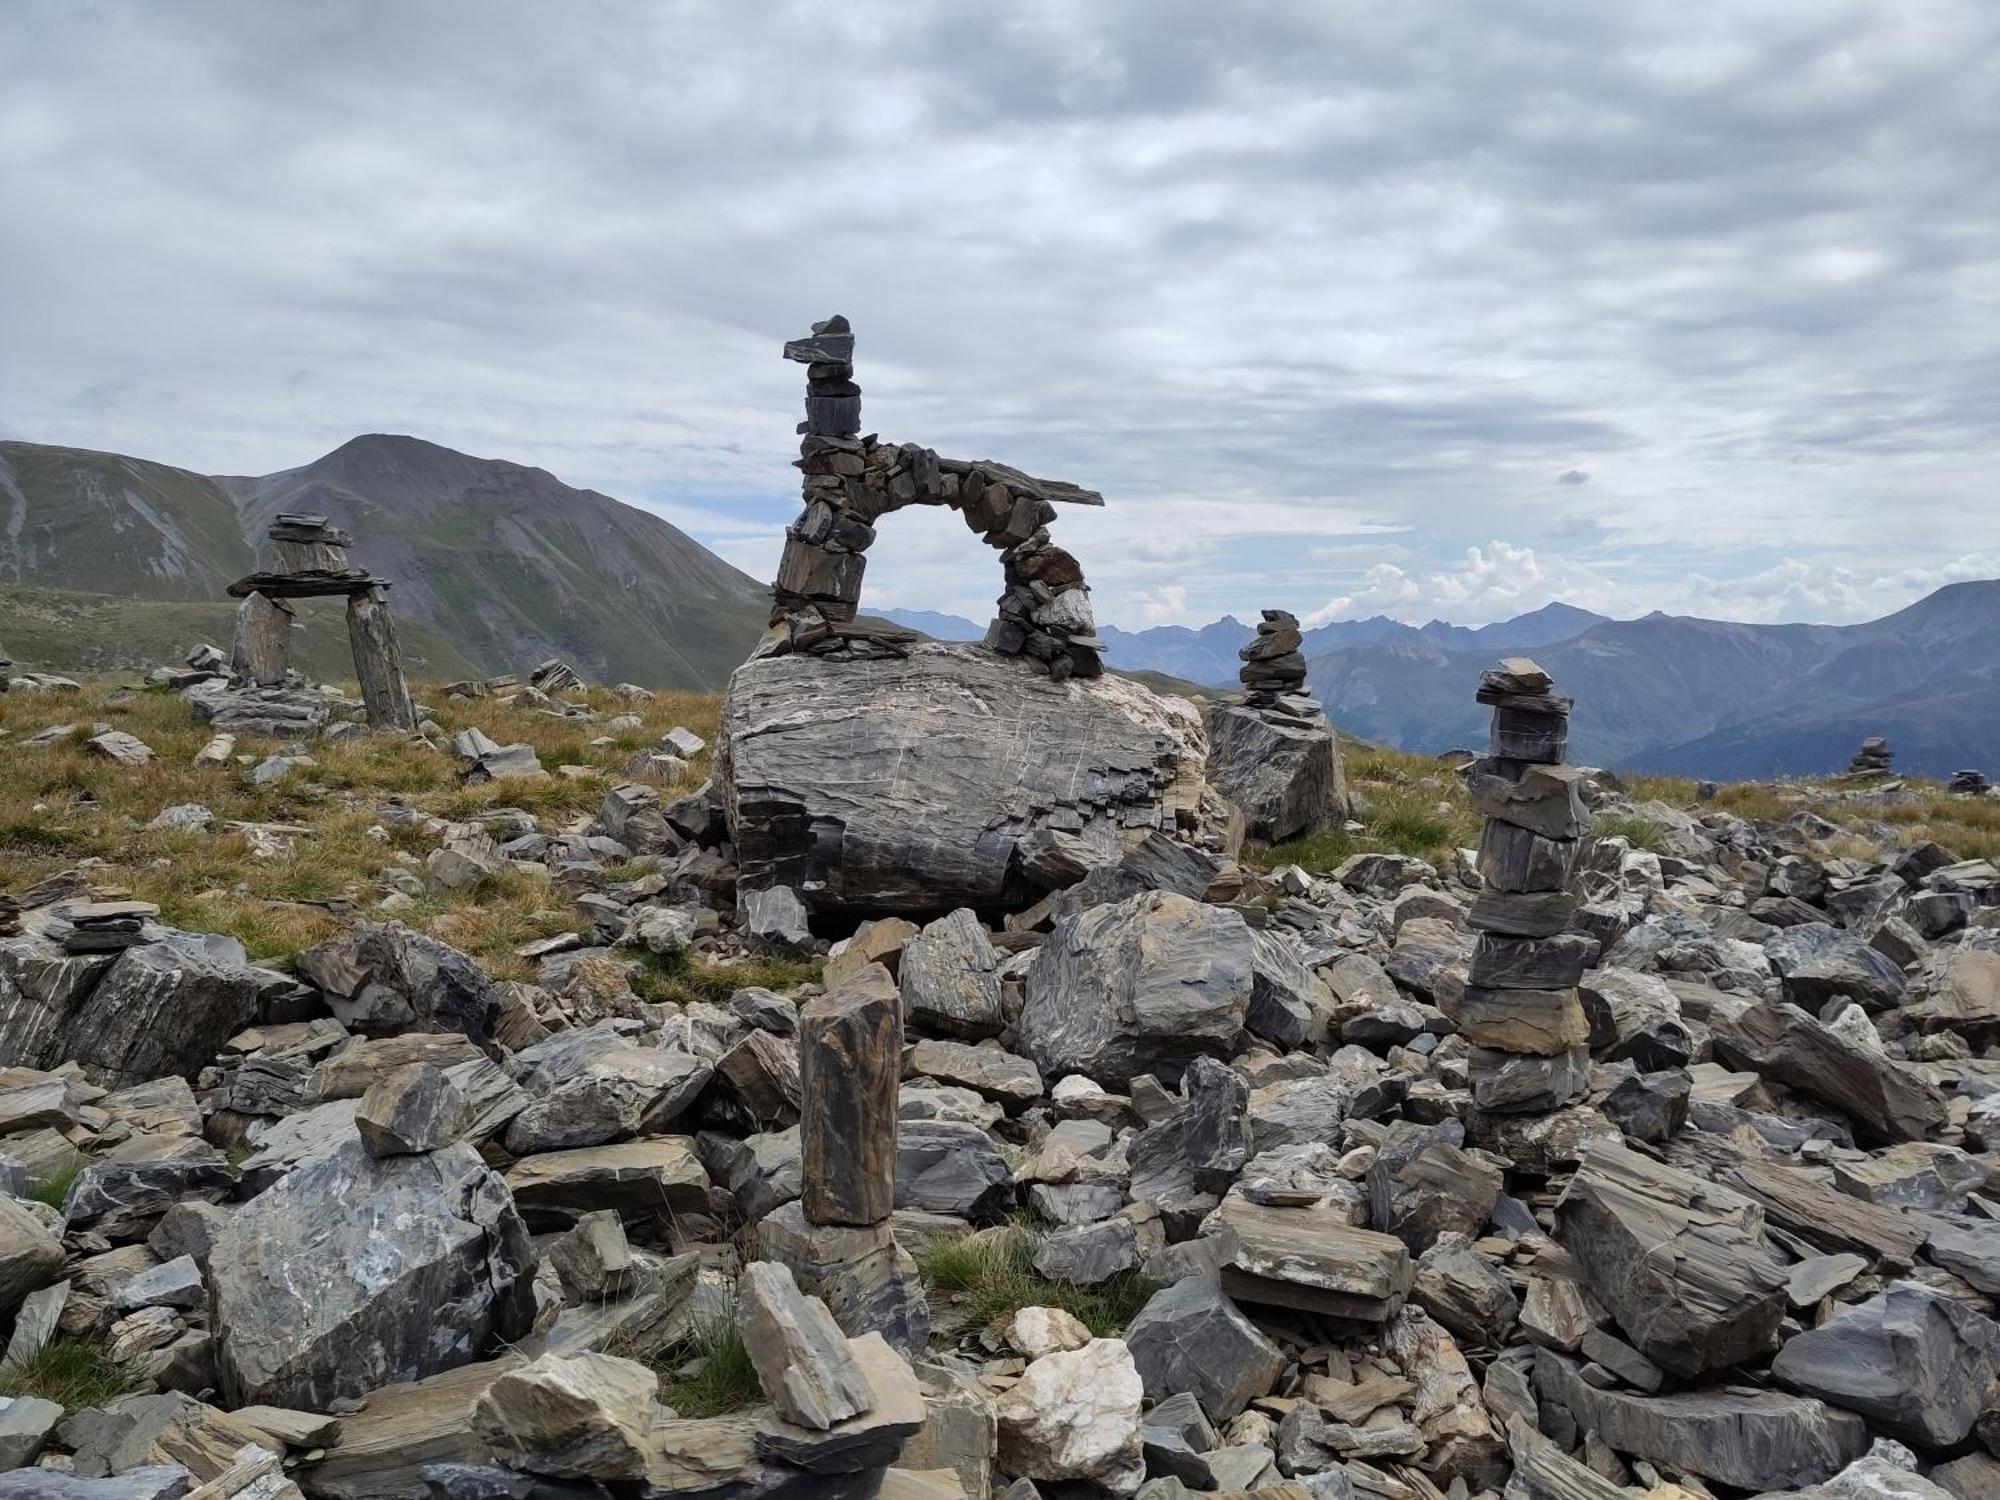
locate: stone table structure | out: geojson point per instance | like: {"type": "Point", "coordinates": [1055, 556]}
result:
{"type": "Point", "coordinates": [309, 560]}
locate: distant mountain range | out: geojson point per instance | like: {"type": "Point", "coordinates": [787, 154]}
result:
{"type": "Point", "coordinates": [108, 561]}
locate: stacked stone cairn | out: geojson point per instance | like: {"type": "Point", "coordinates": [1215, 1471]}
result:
{"type": "Point", "coordinates": [851, 481]}
{"type": "Point", "coordinates": [1874, 758]}
{"type": "Point", "coordinates": [1272, 754]}
{"type": "Point", "coordinates": [1521, 1012]}
{"type": "Point", "coordinates": [1972, 783]}
{"type": "Point", "coordinates": [308, 559]}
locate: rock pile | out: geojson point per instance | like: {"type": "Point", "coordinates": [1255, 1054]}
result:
{"type": "Point", "coordinates": [852, 481]}
{"type": "Point", "coordinates": [1520, 1011]}
{"type": "Point", "coordinates": [1273, 755]}
{"type": "Point", "coordinates": [308, 559]}
{"type": "Point", "coordinates": [1873, 758]}
{"type": "Point", "coordinates": [1970, 783]}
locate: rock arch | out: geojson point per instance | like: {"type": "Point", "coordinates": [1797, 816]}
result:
{"type": "Point", "coordinates": [851, 481]}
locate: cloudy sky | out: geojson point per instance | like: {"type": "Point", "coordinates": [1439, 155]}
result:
{"type": "Point", "coordinates": [1425, 308]}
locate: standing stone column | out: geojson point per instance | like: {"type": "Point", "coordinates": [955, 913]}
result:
{"type": "Point", "coordinates": [850, 1060]}
{"type": "Point", "coordinates": [262, 652]}
{"type": "Point", "coordinates": [1521, 1012]}
{"type": "Point", "coordinates": [377, 661]}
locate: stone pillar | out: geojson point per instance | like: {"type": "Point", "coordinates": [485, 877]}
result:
{"type": "Point", "coordinates": [377, 661]}
{"type": "Point", "coordinates": [262, 653]}
{"type": "Point", "coordinates": [850, 1062]}
{"type": "Point", "coordinates": [1521, 1013]}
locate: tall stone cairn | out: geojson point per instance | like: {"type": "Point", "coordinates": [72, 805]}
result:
{"type": "Point", "coordinates": [1521, 1013]}
{"type": "Point", "coordinates": [852, 481]}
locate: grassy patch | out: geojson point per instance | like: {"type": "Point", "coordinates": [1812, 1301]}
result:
{"type": "Point", "coordinates": [1640, 833]}
{"type": "Point", "coordinates": [709, 1373]}
{"type": "Point", "coordinates": [1410, 805]}
{"type": "Point", "coordinates": [683, 979]}
{"type": "Point", "coordinates": [72, 1374]}
{"type": "Point", "coordinates": [24, 836]}
{"type": "Point", "coordinates": [54, 1188]}
{"type": "Point", "coordinates": [992, 1275]}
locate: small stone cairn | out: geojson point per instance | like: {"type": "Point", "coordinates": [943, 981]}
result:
{"type": "Point", "coordinates": [1274, 668]}
{"type": "Point", "coordinates": [1972, 783]}
{"type": "Point", "coordinates": [1874, 758]}
{"type": "Point", "coordinates": [851, 481]}
{"type": "Point", "coordinates": [309, 560]}
{"type": "Point", "coordinates": [1521, 1012]}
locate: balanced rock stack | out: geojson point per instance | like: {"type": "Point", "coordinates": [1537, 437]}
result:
{"type": "Point", "coordinates": [1520, 1011]}
{"type": "Point", "coordinates": [308, 558]}
{"type": "Point", "coordinates": [1273, 755]}
{"type": "Point", "coordinates": [1873, 758]}
{"type": "Point", "coordinates": [851, 481]}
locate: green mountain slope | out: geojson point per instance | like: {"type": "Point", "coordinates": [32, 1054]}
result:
{"type": "Point", "coordinates": [495, 566]}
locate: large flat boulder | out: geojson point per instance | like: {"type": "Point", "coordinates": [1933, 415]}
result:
{"type": "Point", "coordinates": [357, 1271]}
{"type": "Point", "coordinates": [905, 785]}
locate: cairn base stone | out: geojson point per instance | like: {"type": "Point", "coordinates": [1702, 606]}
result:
{"type": "Point", "coordinates": [1284, 774]}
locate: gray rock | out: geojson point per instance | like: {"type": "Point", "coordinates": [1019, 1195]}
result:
{"type": "Point", "coordinates": [1886, 1100]}
{"type": "Point", "coordinates": [1754, 1440]}
{"type": "Point", "coordinates": [641, 1179]}
{"type": "Point", "coordinates": [1191, 1338]}
{"type": "Point", "coordinates": [850, 1058]}
{"type": "Point", "coordinates": [1423, 1184]}
{"type": "Point", "coordinates": [173, 1283]}
{"type": "Point", "coordinates": [1145, 985]}
{"type": "Point", "coordinates": [1283, 774]}
{"type": "Point", "coordinates": [1680, 1262]}
{"type": "Point", "coordinates": [986, 1070]}
{"type": "Point", "coordinates": [584, 1416]}
{"type": "Point", "coordinates": [950, 977]}
{"type": "Point", "coordinates": [776, 917]}
{"type": "Point", "coordinates": [25, 1425]}
{"type": "Point", "coordinates": [802, 1358]}
{"type": "Point", "coordinates": [948, 1168]}
{"type": "Point", "coordinates": [954, 744]}
{"type": "Point", "coordinates": [122, 1200]}
{"type": "Point", "coordinates": [166, 1007]}
{"type": "Point", "coordinates": [153, 1482]}
{"type": "Point", "coordinates": [1918, 1365]}
{"type": "Point", "coordinates": [1089, 1254]}
{"type": "Point", "coordinates": [384, 976]}
{"type": "Point", "coordinates": [1289, 1004]}
{"type": "Point", "coordinates": [312, 1282]}
{"type": "Point", "coordinates": [592, 1258]}
{"type": "Point", "coordinates": [414, 1109]}
{"type": "Point", "coordinates": [30, 1256]}
{"type": "Point", "coordinates": [864, 1276]}
{"type": "Point", "coordinates": [1817, 961]}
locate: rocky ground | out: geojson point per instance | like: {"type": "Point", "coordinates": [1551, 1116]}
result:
{"type": "Point", "coordinates": [391, 1118]}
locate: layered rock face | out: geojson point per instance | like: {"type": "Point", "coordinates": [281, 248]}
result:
{"type": "Point", "coordinates": [907, 785]}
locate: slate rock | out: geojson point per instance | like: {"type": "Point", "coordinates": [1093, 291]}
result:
{"type": "Point", "coordinates": [1284, 775]}
{"type": "Point", "coordinates": [801, 1356]}
{"type": "Point", "coordinates": [1886, 1100]}
{"type": "Point", "coordinates": [1190, 1337]}
{"type": "Point", "coordinates": [1918, 1365]}
{"type": "Point", "coordinates": [414, 1109]}
{"type": "Point", "coordinates": [1144, 985]}
{"type": "Point", "coordinates": [313, 1280]}
{"type": "Point", "coordinates": [1817, 961]}
{"type": "Point", "coordinates": [950, 977]}
{"type": "Point", "coordinates": [583, 1416]}
{"type": "Point", "coordinates": [850, 1057]}
{"type": "Point", "coordinates": [383, 976]}
{"type": "Point", "coordinates": [948, 1168]}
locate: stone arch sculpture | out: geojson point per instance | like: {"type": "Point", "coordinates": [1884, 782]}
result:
{"type": "Point", "coordinates": [851, 481]}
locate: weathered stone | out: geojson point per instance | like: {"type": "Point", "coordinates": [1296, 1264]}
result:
{"type": "Point", "coordinates": [414, 1109]}
{"type": "Point", "coordinates": [30, 1256]}
{"type": "Point", "coordinates": [584, 1416]}
{"type": "Point", "coordinates": [1517, 963]}
{"type": "Point", "coordinates": [1423, 1185]}
{"type": "Point", "coordinates": [1090, 1254]}
{"type": "Point", "coordinates": [1537, 1022]}
{"type": "Point", "coordinates": [1544, 799]}
{"type": "Point", "coordinates": [1190, 1337]}
{"type": "Point", "coordinates": [801, 1356]}
{"type": "Point", "coordinates": [1754, 1440]}
{"type": "Point", "coordinates": [776, 917]}
{"type": "Point", "coordinates": [1465, 1291]}
{"type": "Point", "coordinates": [1917, 1365]}
{"type": "Point", "coordinates": [592, 1258]}
{"type": "Point", "coordinates": [1144, 985]}
{"type": "Point", "coordinates": [867, 1280]}
{"type": "Point", "coordinates": [1515, 859]}
{"type": "Point", "coordinates": [1075, 1416]}
{"type": "Point", "coordinates": [402, 1429]}
{"type": "Point", "coordinates": [1521, 913]}
{"type": "Point", "coordinates": [760, 1076]}
{"type": "Point", "coordinates": [313, 1280]}
{"type": "Point", "coordinates": [151, 1482]}
{"type": "Point", "coordinates": [173, 1283]}
{"type": "Point", "coordinates": [1290, 1006]}
{"type": "Point", "coordinates": [384, 976]}
{"type": "Point", "coordinates": [1310, 1258]}
{"type": "Point", "coordinates": [26, 1423]}
{"type": "Point", "coordinates": [1284, 774]}
{"type": "Point", "coordinates": [1522, 1082]}
{"type": "Point", "coordinates": [122, 1200]}
{"type": "Point", "coordinates": [1817, 961]}
{"type": "Point", "coordinates": [850, 1055]}
{"type": "Point", "coordinates": [641, 1179]}
{"type": "Point", "coordinates": [870, 1441]}
{"type": "Point", "coordinates": [262, 653]}
{"type": "Point", "coordinates": [950, 977]}
{"type": "Point", "coordinates": [986, 1070]}
{"type": "Point", "coordinates": [948, 1168]}
{"type": "Point", "coordinates": [165, 1007]}
{"type": "Point", "coordinates": [1680, 1263]}
{"type": "Point", "coordinates": [1884, 1099]}
{"type": "Point", "coordinates": [953, 745]}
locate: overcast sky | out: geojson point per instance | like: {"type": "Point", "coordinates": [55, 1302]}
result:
{"type": "Point", "coordinates": [1423, 308]}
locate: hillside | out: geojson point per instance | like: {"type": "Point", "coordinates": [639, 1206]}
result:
{"type": "Point", "coordinates": [1713, 698]}
{"type": "Point", "coordinates": [496, 565]}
